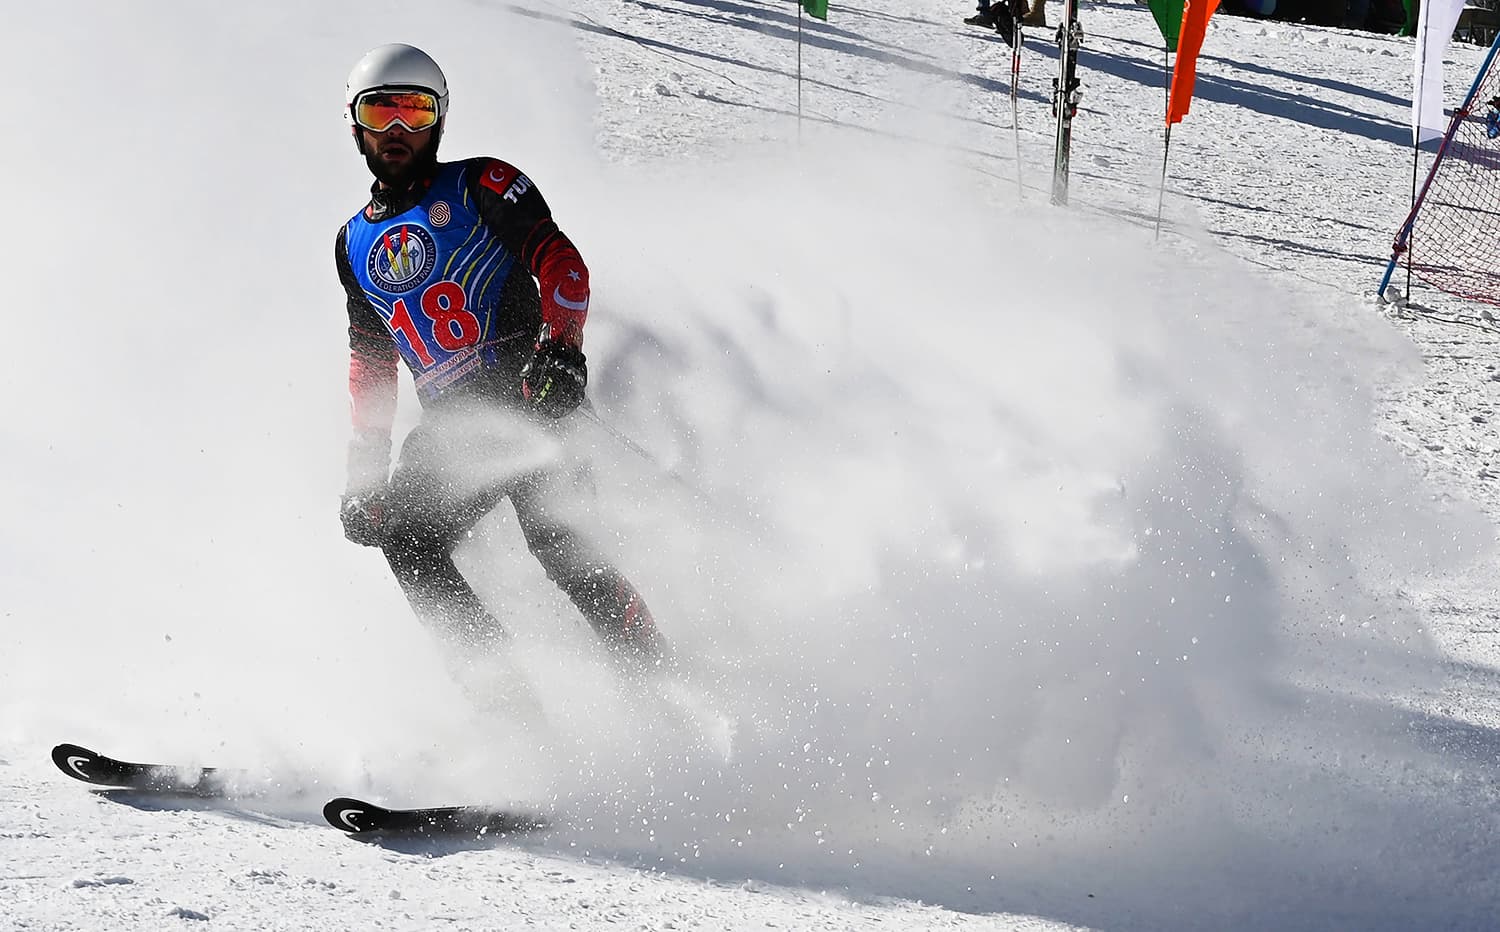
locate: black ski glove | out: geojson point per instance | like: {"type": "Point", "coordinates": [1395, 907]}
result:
{"type": "Point", "coordinates": [365, 517]}
{"type": "Point", "coordinates": [554, 380]}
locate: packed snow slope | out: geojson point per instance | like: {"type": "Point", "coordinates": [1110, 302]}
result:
{"type": "Point", "coordinates": [1029, 570]}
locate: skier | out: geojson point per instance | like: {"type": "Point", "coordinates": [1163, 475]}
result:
{"type": "Point", "coordinates": [441, 269]}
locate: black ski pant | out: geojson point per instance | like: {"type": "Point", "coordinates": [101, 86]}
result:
{"type": "Point", "coordinates": [452, 471]}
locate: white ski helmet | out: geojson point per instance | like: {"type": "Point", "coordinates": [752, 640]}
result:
{"type": "Point", "coordinates": [395, 66]}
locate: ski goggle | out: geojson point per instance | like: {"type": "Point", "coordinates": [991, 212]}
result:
{"type": "Point", "coordinates": [377, 111]}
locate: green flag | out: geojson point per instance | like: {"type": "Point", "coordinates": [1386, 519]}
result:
{"type": "Point", "coordinates": [818, 9]}
{"type": "Point", "coordinates": [1168, 15]}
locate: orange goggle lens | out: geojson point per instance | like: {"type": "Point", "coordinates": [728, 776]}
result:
{"type": "Point", "coordinates": [378, 111]}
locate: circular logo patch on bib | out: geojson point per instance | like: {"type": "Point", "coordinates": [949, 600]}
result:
{"type": "Point", "coordinates": [402, 257]}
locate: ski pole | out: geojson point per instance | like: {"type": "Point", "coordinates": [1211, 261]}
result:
{"type": "Point", "coordinates": [629, 444]}
{"type": "Point", "coordinates": [646, 456]}
{"type": "Point", "coordinates": [743, 516]}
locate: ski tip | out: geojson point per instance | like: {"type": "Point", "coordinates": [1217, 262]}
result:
{"type": "Point", "coordinates": [74, 760]}
{"type": "Point", "coordinates": [353, 815]}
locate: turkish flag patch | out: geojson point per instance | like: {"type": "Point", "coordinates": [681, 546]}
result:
{"type": "Point", "coordinates": [498, 176]}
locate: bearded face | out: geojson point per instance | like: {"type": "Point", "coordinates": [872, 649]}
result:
{"type": "Point", "coordinates": [398, 155]}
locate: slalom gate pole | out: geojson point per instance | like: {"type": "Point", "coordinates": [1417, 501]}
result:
{"type": "Point", "coordinates": [1403, 235]}
{"type": "Point", "coordinates": [1015, 80]}
{"type": "Point", "coordinates": [799, 69]}
{"type": "Point", "coordinates": [1161, 192]}
{"type": "Point", "coordinates": [1166, 149]}
{"type": "Point", "coordinates": [1166, 86]}
{"type": "Point", "coordinates": [1416, 159]}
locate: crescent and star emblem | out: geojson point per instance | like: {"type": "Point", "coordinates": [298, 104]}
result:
{"type": "Point", "coordinates": [564, 302]}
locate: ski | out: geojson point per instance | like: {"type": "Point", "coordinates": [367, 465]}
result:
{"type": "Point", "coordinates": [355, 816]}
{"type": "Point", "coordinates": [359, 817]}
{"type": "Point", "coordinates": [80, 763]}
{"type": "Point", "coordinates": [1065, 94]}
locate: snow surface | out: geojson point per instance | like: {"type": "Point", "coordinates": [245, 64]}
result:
{"type": "Point", "coordinates": [1033, 572]}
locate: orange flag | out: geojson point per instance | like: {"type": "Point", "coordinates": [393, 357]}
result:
{"type": "Point", "coordinates": [1195, 14]}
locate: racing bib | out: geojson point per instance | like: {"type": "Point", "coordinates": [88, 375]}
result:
{"type": "Point", "coordinates": [434, 274]}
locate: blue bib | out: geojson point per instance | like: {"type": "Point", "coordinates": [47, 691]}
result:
{"type": "Point", "coordinates": [434, 274]}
